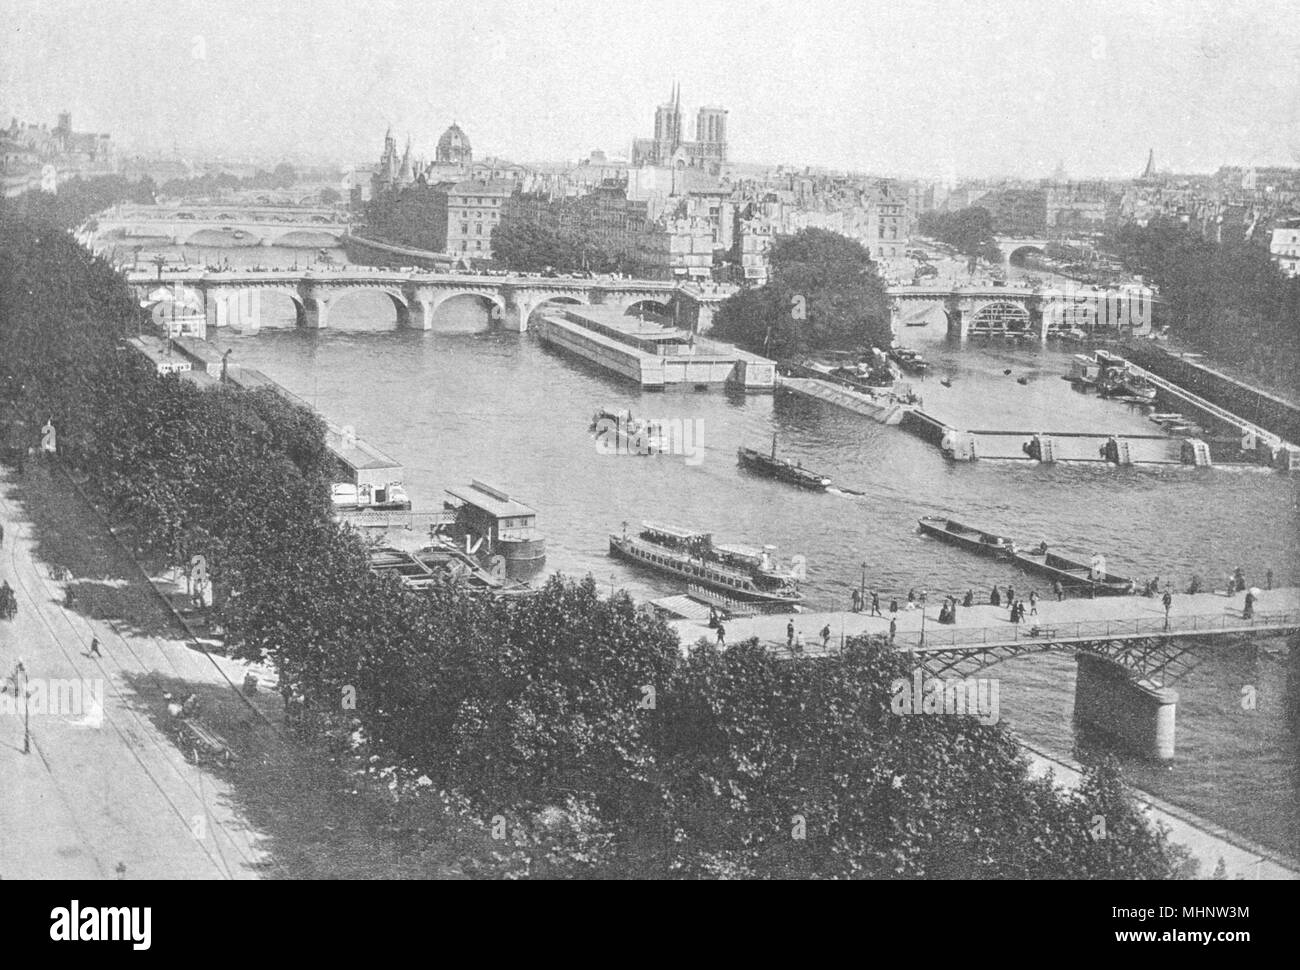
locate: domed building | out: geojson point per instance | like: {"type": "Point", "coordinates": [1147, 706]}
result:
{"type": "Point", "coordinates": [454, 148]}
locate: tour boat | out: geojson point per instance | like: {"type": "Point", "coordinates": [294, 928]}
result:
{"type": "Point", "coordinates": [739, 573]}
{"type": "Point", "coordinates": [366, 497]}
{"type": "Point", "coordinates": [782, 470]}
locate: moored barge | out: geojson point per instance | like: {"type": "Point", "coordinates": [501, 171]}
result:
{"type": "Point", "coordinates": [975, 540]}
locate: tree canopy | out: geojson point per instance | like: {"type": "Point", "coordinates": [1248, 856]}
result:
{"type": "Point", "coordinates": [969, 231]}
{"type": "Point", "coordinates": [823, 293]}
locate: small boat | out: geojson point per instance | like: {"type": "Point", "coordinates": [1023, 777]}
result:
{"type": "Point", "coordinates": [946, 382]}
{"type": "Point", "coordinates": [782, 470]}
{"type": "Point", "coordinates": [1022, 380]}
{"type": "Point", "coordinates": [740, 573]}
{"type": "Point", "coordinates": [347, 497]}
{"type": "Point", "coordinates": [975, 540]}
{"type": "Point", "coordinates": [618, 433]}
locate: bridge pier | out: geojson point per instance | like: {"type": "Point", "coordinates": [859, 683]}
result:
{"type": "Point", "coordinates": [315, 315]}
{"type": "Point", "coordinates": [958, 319]}
{"type": "Point", "coordinates": [1133, 711]}
{"type": "Point", "coordinates": [241, 309]}
{"type": "Point", "coordinates": [419, 313]}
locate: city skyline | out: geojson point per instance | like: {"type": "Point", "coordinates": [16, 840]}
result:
{"type": "Point", "coordinates": [920, 91]}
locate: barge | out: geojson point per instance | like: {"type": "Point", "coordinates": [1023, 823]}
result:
{"type": "Point", "coordinates": [740, 573]}
{"type": "Point", "coordinates": [1072, 573]}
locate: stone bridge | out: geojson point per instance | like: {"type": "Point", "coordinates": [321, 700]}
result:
{"type": "Point", "coordinates": [1023, 311]}
{"type": "Point", "coordinates": [233, 298]}
{"type": "Point", "coordinates": [221, 226]}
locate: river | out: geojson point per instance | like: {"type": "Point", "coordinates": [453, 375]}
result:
{"type": "Point", "coordinates": [500, 407]}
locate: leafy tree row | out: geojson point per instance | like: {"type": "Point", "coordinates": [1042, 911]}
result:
{"type": "Point", "coordinates": [575, 717]}
{"type": "Point", "coordinates": [823, 293]}
{"type": "Point", "coordinates": [969, 231]}
{"type": "Point", "coordinates": [1229, 299]}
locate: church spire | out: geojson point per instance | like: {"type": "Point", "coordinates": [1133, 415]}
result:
{"type": "Point", "coordinates": [1150, 171]}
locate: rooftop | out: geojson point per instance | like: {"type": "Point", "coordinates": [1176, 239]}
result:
{"type": "Point", "coordinates": [490, 499]}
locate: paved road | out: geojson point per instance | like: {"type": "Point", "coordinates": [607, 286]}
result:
{"type": "Point", "coordinates": [102, 788]}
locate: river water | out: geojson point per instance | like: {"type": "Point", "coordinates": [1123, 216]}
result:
{"type": "Point", "coordinates": [455, 404]}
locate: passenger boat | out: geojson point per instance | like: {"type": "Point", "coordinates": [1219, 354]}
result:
{"type": "Point", "coordinates": [975, 540]}
{"type": "Point", "coordinates": [1124, 383]}
{"type": "Point", "coordinates": [782, 470]}
{"type": "Point", "coordinates": [348, 497]}
{"type": "Point", "coordinates": [740, 573]}
{"type": "Point", "coordinates": [618, 433]}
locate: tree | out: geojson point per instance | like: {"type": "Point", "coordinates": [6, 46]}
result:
{"type": "Point", "coordinates": [969, 231]}
{"type": "Point", "coordinates": [824, 293]}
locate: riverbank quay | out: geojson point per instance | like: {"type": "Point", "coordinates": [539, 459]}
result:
{"type": "Point", "coordinates": [129, 786]}
{"type": "Point", "coordinates": [1208, 843]}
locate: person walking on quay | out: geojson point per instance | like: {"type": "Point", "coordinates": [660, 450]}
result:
{"type": "Point", "coordinates": [826, 636]}
{"type": "Point", "coordinates": [875, 604]}
{"type": "Point", "coordinates": [1268, 574]}
{"type": "Point", "coordinates": [1248, 613]}
{"type": "Point", "coordinates": [911, 598]}
{"type": "Point", "coordinates": [969, 599]}
{"type": "Point", "coordinates": [1011, 594]}
{"type": "Point", "coordinates": [995, 598]}
{"type": "Point", "coordinates": [856, 600]}
{"type": "Point", "coordinates": [1238, 580]}
{"type": "Point", "coordinates": [893, 607]}
{"type": "Point", "coordinates": [1058, 589]}
{"type": "Point", "coordinates": [722, 634]}
{"type": "Point", "coordinates": [789, 635]}
{"type": "Point", "coordinates": [1033, 602]}
{"type": "Point", "coordinates": [893, 630]}
{"type": "Point", "coordinates": [1168, 600]}
{"type": "Point", "coordinates": [94, 648]}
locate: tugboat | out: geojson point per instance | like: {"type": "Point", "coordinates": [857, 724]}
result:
{"type": "Point", "coordinates": [737, 572]}
{"type": "Point", "coordinates": [782, 470]}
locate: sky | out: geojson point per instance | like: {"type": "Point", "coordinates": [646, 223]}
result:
{"type": "Point", "coordinates": [927, 88]}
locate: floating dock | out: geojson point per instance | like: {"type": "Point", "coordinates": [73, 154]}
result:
{"type": "Point", "coordinates": [879, 409]}
{"type": "Point", "coordinates": [652, 355]}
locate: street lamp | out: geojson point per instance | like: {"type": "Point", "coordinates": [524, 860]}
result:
{"type": "Point", "coordinates": [26, 694]}
{"type": "Point", "coordinates": [862, 588]}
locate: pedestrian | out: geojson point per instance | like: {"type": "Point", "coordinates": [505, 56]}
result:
{"type": "Point", "coordinates": [789, 635]}
{"type": "Point", "coordinates": [969, 598]}
{"type": "Point", "coordinates": [713, 617]}
{"type": "Point", "coordinates": [1239, 580]}
{"type": "Point", "coordinates": [1268, 574]}
{"type": "Point", "coordinates": [1168, 600]}
{"type": "Point", "coordinates": [1033, 602]}
{"type": "Point", "coordinates": [1015, 612]}
{"type": "Point", "coordinates": [893, 630]}
{"type": "Point", "coordinates": [69, 599]}
{"type": "Point", "coordinates": [826, 636]}
{"type": "Point", "coordinates": [1249, 611]}
{"type": "Point", "coordinates": [911, 598]}
{"type": "Point", "coordinates": [1011, 595]}
{"type": "Point", "coordinates": [798, 642]}
{"type": "Point", "coordinates": [893, 606]}
{"type": "Point", "coordinates": [875, 604]}
{"type": "Point", "coordinates": [1058, 589]}
{"type": "Point", "coordinates": [94, 647]}
{"type": "Point", "coordinates": [857, 601]}
{"type": "Point", "coordinates": [995, 598]}
{"type": "Point", "coordinates": [722, 634]}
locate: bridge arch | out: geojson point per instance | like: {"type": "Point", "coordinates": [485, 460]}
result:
{"type": "Point", "coordinates": [999, 317]}
{"type": "Point", "coordinates": [640, 305]}
{"type": "Point", "coordinates": [215, 238]}
{"type": "Point", "coordinates": [367, 308]}
{"type": "Point", "coordinates": [305, 238]}
{"type": "Point", "coordinates": [543, 303]}
{"type": "Point", "coordinates": [1017, 256]}
{"type": "Point", "coordinates": [466, 312]}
